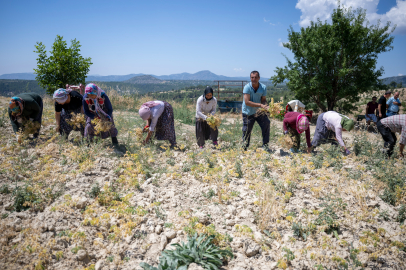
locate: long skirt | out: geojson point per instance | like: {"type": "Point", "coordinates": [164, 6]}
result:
{"type": "Point", "coordinates": [67, 128]}
{"type": "Point", "coordinates": [322, 134]}
{"type": "Point", "coordinates": [205, 132]}
{"type": "Point", "coordinates": [295, 136]}
{"type": "Point", "coordinates": [90, 132]}
{"type": "Point", "coordinates": [165, 127]}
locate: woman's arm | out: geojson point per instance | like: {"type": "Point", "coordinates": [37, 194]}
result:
{"type": "Point", "coordinates": [199, 109]}
{"type": "Point", "coordinates": [13, 123]}
{"type": "Point", "coordinates": [58, 120]}
{"type": "Point", "coordinates": [85, 107]}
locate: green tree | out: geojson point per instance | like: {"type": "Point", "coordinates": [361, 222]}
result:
{"type": "Point", "coordinates": [63, 66]}
{"type": "Point", "coordinates": [392, 85]}
{"type": "Point", "coordinates": [335, 61]}
{"type": "Point", "coordinates": [399, 85]}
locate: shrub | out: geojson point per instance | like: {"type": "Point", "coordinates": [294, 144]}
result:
{"type": "Point", "coordinates": [198, 249]}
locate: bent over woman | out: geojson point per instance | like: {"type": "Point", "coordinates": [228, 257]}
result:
{"type": "Point", "coordinates": [331, 124]}
{"type": "Point", "coordinates": [160, 119]}
{"type": "Point", "coordinates": [25, 108]}
{"type": "Point", "coordinates": [67, 103]}
{"type": "Point", "coordinates": [96, 104]}
{"type": "Point", "coordinates": [294, 124]}
{"type": "Point", "coordinates": [206, 104]}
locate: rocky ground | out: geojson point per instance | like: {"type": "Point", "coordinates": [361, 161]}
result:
{"type": "Point", "coordinates": [67, 205]}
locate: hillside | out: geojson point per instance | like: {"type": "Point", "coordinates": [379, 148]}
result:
{"type": "Point", "coordinates": [72, 205]}
{"type": "Point", "coordinates": [397, 79]}
{"type": "Point", "coordinates": [148, 79]}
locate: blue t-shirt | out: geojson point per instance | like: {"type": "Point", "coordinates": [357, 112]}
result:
{"type": "Point", "coordinates": [392, 107]}
{"type": "Point", "coordinates": [255, 96]}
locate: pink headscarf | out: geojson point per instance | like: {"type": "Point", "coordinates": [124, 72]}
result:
{"type": "Point", "coordinates": [93, 89]}
{"type": "Point", "coordinates": [145, 111]}
{"type": "Point", "coordinates": [302, 123]}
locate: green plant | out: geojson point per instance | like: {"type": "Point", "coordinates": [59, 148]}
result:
{"type": "Point", "coordinates": [300, 231]}
{"type": "Point", "coordinates": [4, 189]}
{"type": "Point", "coordinates": [160, 213]}
{"type": "Point", "coordinates": [110, 259]}
{"type": "Point", "coordinates": [288, 255]}
{"type": "Point", "coordinates": [209, 194]}
{"type": "Point", "coordinates": [76, 249]}
{"type": "Point", "coordinates": [238, 169]}
{"type": "Point", "coordinates": [402, 214]}
{"type": "Point", "coordinates": [95, 191]}
{"type": "Point", "coordinates": [198, 249]}
{"type": "Point", "coordinates": [168, 225]}
{"type": "Point", "coordinates": [328, 218]}
{"type": "Point", "coordinates": [24, 198]}
{"type": "Point", "coordinates": [384, 215]}
{"type": "Point", "coordinates": [64, 65]}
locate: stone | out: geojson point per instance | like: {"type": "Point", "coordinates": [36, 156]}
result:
{"type": "Point", "coordinates": [81, 255]}
{"type": "Point", "coordinates": [258, 237]}
{"type": "Point", "coordinates": [251, 248]}
{"type": "Point", "coordinates": [163, 242]}
{"type": "Point", "coordinates": [246, 214]}
{"type": "Point", "coordinates": [158, 229]}
{"type": "Point", "coordinates": [170, 234]}
{"type": "Point", "coordinates": [230, 222]}
{"type": "Point", "coordinates": [99, 265]}
{"type": "Point", "coordinates": [194, 266]}
{"type": "Point", "coordinates": [203, 218]}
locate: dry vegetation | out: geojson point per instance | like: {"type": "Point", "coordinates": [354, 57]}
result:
{"type": "Point", "coordinates": [73, 205]}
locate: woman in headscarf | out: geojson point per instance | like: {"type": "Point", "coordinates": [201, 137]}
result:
{"type": "Point", "coordinates": [96, 104]}
{"type": "Point", "coordinates": [67, 103]}
{"type": "Point", "coordinates": [25, 108]}
{"type": "Point", "coordinates": [295, 124]}
{"type": "Point", "coordinates": [160, 119]}
{"type": "Point", "coordinates": [205, 105]}
{"type": "Point", "coordinates": [330, 124]}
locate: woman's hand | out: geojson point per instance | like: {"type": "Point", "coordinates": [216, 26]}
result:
{"type": "Point", "coordinates": [309, 149]}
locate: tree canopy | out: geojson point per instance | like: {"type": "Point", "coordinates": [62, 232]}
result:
{"type": "Point", "coordinates": [63, 66]}
{"type": "Point", "coordinates": [336, 62]}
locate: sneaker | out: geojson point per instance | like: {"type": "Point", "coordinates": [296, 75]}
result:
{"type": "Point", "coordinates": [294, 150]}
{"type": "Point", "coordinates": [266, 149]}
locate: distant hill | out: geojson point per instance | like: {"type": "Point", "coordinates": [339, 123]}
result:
{"type": "Point", "coordinates": [397, 79]}
{"type": "Point", "coordinates": [144, 79]}
{"type": "Point", "coordinates": [204, 75]}
{"type": "Point", "coordinates": [18, 76]}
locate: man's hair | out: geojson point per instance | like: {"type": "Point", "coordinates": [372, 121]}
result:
{"type": "Point", "coordinates": [373, 97]}
{"type": "Point", "coordinates": [388, 92]}
{"type": "Point", "coordinates": [256, 73]}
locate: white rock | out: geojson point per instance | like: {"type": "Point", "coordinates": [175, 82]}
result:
{"type": "Point", "coordinates": [82, 254]}
{"type": "Point", "coordinates": [258, 237]}
{"type": "Point", "coordinates": [99, 265]}
{"type": "Point", "coordinates": [203, 218]}
{"type": "Point", "coordinates": [251, 248]}
{"type": "Point", "coordinates": [158, 229]}
{"type": "Point", "coordinates": [170, 234]}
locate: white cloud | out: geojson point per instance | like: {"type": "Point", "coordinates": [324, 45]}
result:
{"type": "Point", "coordinates": [238, 70]}
{"type": "Point", "coordinates": [265, 20]}
{"type": "Point", "coordinates": [400, 74]}
{"type": "Point", "coordinates": [280, 42]}
{"type": "Point", "coordinates": [322, 9]}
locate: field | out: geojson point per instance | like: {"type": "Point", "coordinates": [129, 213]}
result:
{"type": "Point", "coordinates": [69, 204]}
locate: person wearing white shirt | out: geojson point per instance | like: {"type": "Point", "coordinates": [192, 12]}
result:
{"type": "Point", "coordinates": [335, 123]}
{"type": "Point", "coordinates": [206, 105]}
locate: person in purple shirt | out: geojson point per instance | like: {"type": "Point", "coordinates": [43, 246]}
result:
{"type": "Point", "coordinates": [294, 124]}
{"type": "Point", "coordinates": [96, 104]}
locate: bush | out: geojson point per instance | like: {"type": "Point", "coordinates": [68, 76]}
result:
{"type": "Point", "coordinates": [198, 249]}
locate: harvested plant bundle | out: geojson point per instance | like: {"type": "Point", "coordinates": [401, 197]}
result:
{"type": "Point", "coordinates": [285, 141]}
{"type": "Point", "coordinates": [139, 134]}
{"type": "Point", "coordinates": [101, 125]}
{"type": "Point", "coordinates": [76, 120]}
{"type": "Point", "coordinates": [274, 109]}
{"type": "Point", "coordinates": [213, 121]}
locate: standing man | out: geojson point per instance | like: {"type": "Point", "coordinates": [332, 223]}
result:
{"type": "Point", "coordinates": [382, 105]}
{"type": "Point", "coordinates": [254, 98]}
{"type": "Point", "coordinates": [393, 105]}
{"type": "Point", "coordinates": [370, 114]}
{"type": "Point", "coordinates": [388, 126]}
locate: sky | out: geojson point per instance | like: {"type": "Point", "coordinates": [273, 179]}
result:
{"type": "Point", "coordinates": [228, 38]}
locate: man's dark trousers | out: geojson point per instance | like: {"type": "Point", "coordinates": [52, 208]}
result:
{"type": "Point", "coordinates": [248, 124]}
{"type": "Point", "coordinates": [388, 136]}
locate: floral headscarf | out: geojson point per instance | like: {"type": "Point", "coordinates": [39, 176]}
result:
{"type": "Point", "coordinates": [61, 95]}
{"type": "Point", "coordinates": [302, 123]}
{"type": "Point", "coordinates": [92, 89]}
{"type": "Point", "coordinates": [18, 110]}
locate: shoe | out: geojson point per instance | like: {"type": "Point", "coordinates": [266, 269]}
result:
{"type": "Point", "coordinates": [266, 149]}
{"type": "Point", "coordinates": [294, 150]}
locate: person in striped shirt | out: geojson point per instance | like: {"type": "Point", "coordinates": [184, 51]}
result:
{"type": "Point", "coordinates": [388, 127]}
